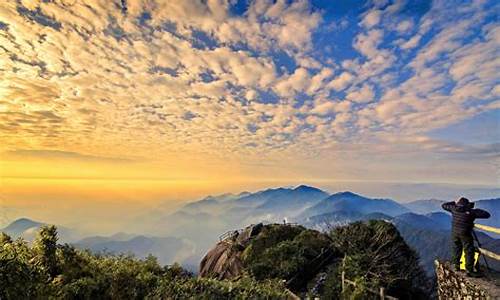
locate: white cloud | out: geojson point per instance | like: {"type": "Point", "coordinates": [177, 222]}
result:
{"type": "Point", "coordinates": [270, 23]}
{"type": "Point", "coordinates": [363, 94]}
{"type": "Point", "coordinates": [371, 19]}
{"type": "Point", "coordinates": [411, 43]}
{"type": "Point", "coordinates": [296, 82]}
{"type": "Point", "coordinates": [405, 26]}
{"type": "Point", "coordinates": [367, 44]}
{"type": "Point", "coordinates": [318, 81]}
{"type": "Point", "coordinates": [341, 82]}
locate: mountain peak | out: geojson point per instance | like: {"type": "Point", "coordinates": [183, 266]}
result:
{"type": "Point", "coordinates": [346, 194]}
{"type": "Point", "coordinates": [306, 188]}
{"type": "Point", "coordinates": [23, 222]}
{"type": "Point", "coordinates": [19, 226]}
{"type": "Point", "coordinates": [208, 198]}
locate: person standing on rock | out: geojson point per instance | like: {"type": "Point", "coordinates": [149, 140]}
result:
{"type": "Point", "coordinates": [463, 216]}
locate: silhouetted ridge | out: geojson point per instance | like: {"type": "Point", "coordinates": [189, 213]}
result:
{"type": "Point", "coordinates": [306, 188]}
{"type": "Point", "coordinates": [346, 194]}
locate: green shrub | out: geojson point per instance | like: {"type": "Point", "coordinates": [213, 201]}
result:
{"type": "Point", "coordinates": [50, 271]}
{"type": "Point", "coordinates": [204, 288]}
{"type": "Point", "coordinates": [377, 256]}
{"type": "Point", "coordinates": [286, 252]}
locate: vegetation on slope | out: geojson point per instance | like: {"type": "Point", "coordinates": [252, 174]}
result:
{"type": "Point", "coordinates": [377, 256]}
{"type": "Point", "coordinates": [308, 262]}
{"type": "Point", "coordinates": [289, 253]}
{"type": "Point", "coordinates": [48, 270]}
{"type": "Point", "coordinates": [373, 254]}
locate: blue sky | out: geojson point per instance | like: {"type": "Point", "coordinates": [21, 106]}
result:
{"type": "Point", "coordinates": [481, 129]}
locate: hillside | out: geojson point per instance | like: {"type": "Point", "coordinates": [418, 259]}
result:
{"type": "Point", "coordinates": [277, 261]}
{"type": "Point", "coordinates": [428, 234]}
{"type": "Point", "coordinates": [309, 262]}
{"type": "Point", "coordinates": [47, 270]}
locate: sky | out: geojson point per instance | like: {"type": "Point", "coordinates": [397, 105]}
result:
{"type": "Point", "coordinates": [141, 101]}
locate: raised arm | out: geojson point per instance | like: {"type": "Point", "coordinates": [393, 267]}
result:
{"type": "Point", "coordinates": [448, 206]}
{"type": "Point", "coordinates": [481, 214]}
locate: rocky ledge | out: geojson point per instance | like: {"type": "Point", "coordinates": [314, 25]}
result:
{"type": "Point", "coordinates": [456, 285]}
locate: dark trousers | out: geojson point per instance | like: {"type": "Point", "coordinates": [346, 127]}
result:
{"type": "Point", "coordinates": [463, 242]}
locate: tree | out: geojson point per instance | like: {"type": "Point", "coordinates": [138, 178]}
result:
{"type": "Point", "coordinates": [5, 239]}
{"type": "Point", "coordinates": [377, 256]}
{"type": "Point", "coordinates": [45, 247]}
{"type": "Point", "coordinates": [18, 278]}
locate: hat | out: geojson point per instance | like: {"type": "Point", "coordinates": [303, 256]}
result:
{"type": "Point", "coordinates": [462, 201]}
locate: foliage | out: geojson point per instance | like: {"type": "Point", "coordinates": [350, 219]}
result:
{"type": "Point", "coordinates": [47, 270]}
{"type": "Point", "coordinates": [285, 252]}
{"type": "Point", "coordinates": [45, 247]}
{"type": "Point", "coordinates": [19, 278]}
{"type": "Point", "coordinates": [205, 288]}
{"type": "Point", "coordinates": [376, 255]}
{"type": "Point", "coordinates": [373, 254]}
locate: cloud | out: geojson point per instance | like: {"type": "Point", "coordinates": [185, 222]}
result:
{"type": "Point", "coordinates": [364, 94]}
{"type": "Point", "coordinates": [367, 43]}
{"type": "Point", "coordinates": [204, 79]}
{"type": "Point", "coordinates": [404, 26]}
{"type": "Point", "coordinates": [341, 82]}
{"type": "Point", "coordinates": [297, 81]}
{"type": "Point", "coordinates": [411, 43]}
{"type": "Point", "coordinates": [62, 155]}
{"type": "Point", "coordinates": [372, 18]}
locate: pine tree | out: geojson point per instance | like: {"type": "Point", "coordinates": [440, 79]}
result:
{"type": "Point", "coordinates": [45, 247]}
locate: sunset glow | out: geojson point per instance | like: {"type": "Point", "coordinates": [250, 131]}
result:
{"type": "Point", "coordinates": [146, 102]}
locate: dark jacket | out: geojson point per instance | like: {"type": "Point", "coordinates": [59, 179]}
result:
{"type": "Point", "coordinates": [463, 217]}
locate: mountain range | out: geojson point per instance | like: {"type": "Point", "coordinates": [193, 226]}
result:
{"type": "Point", "coordinates": [165, 249]}
{"type": "Point", "coordinates": [26, 228]}
{"type": "Point", "coordinates": [186, 234]}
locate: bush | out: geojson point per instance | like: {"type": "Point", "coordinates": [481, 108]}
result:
{"type": "Point", "coordinates": [376, 255]}
{"type": "Point", "coordinates": [205, 288]}
{"type": "Point", "coordinates": [48, 270]}
{"type": "Point", "coordinates": [286, 252]}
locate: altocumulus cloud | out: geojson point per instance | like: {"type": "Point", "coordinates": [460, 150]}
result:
{"type": "Point", "coordinates": [213, 76]}
{"type": "Point", "coordinates": [65, 155]}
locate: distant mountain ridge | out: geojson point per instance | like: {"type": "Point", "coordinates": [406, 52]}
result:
{"type": "Point", "coordinates": [19, 226]}
{"type": "Point", "coordinates": [348, 201]}
{"type": "Point", "coordinates": [434, 205]}
{"type": "Point", "coordinates": [300, 202]}
{"type": "Point", "coordinates": [26, 228]}
{"type": "Point", "coordinates": [425, 206]}
{"type": "Point", "coordinates": [424, 223]}
{"type": "Point", "coordinates": [186, 234]}
{"type": "Point", "coordinates": [166, 249]}
{"type": "Point", "coordinates": [491, 205]}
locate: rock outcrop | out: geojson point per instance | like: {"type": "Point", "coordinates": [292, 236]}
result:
{"type": "Point", "coordinates": [456, 285]}
{"type": "Point", "coordinates": [224, 260]}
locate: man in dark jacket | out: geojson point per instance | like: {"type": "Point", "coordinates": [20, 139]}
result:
{"type": "Point", "coordinates": [463, 214]}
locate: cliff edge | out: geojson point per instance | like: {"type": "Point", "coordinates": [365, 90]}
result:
{"type": "Point", "coordinates": [456, 285]}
